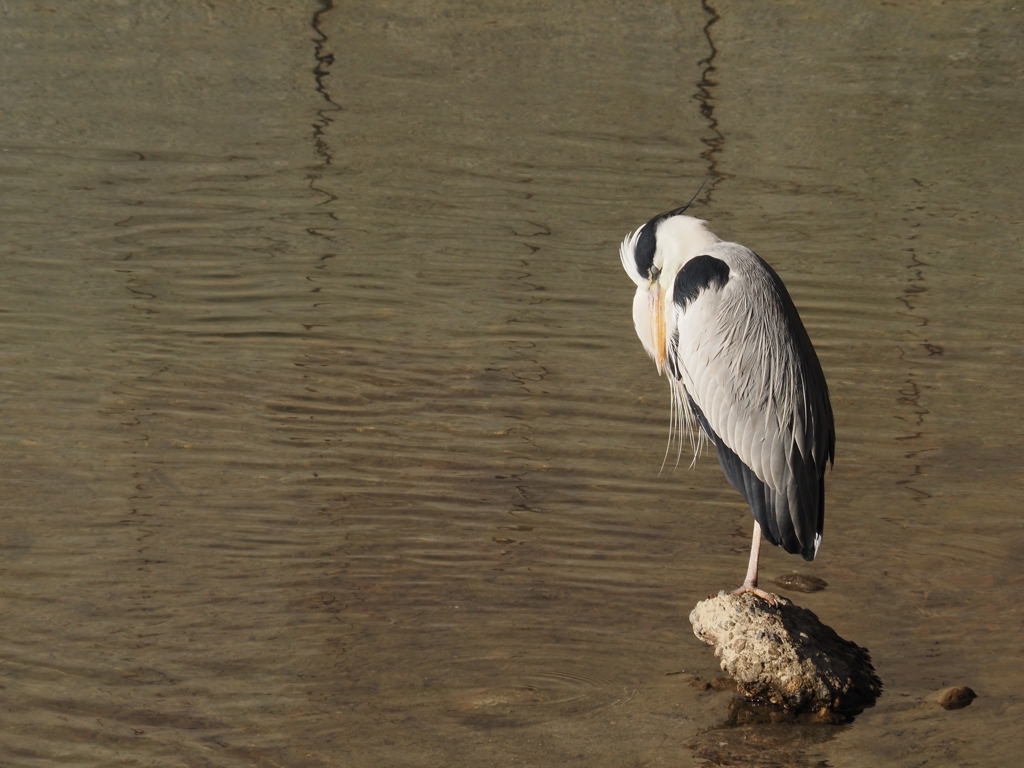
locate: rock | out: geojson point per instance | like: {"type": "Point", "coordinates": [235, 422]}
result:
{"type": "Point", "coordinates": [800, 582]}
{"type": "Point", "coordinates": [955, 698]}
{"type": "Point", "coordinates": [715, 684]}
{"type": "Point", "coordinates": [723, 684]}
{"type": "Point", "coordinates": [782, 654]}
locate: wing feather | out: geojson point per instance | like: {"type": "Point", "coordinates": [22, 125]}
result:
{"type": "Point", "coordinates": [749, 369]}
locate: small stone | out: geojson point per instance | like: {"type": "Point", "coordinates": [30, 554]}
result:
{"type": "Point", "coordinates": [801, 582]}
{"type": "Point", "coordinates": [956, 698]}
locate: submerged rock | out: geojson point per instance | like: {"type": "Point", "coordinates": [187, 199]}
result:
{"type": "Point", "coordinates": [801, 582]}
{"type": "Point", "coordinates": [782, 654]}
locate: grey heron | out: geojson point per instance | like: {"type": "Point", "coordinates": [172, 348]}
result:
{"type": "Point", "coordinates": [742, 372]}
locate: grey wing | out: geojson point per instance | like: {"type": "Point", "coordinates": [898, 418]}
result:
{"type": "Point", "coordinates": [757, 389]}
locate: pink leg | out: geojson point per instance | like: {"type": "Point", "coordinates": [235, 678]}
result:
{"type": "Point", "coordinates": [750, 583]}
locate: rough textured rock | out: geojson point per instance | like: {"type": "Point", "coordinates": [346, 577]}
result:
{"type": "Point", "coordinates": [782, 654]}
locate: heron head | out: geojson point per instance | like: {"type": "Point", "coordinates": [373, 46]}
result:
{"type": "Point", "coordinates": [652, 256]}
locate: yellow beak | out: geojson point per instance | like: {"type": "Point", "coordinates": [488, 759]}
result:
{"type": "Point", "coordinates": [657, 299]}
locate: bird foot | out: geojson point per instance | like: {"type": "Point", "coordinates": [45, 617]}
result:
{"type": "Point", "coordinates": [772, 599]}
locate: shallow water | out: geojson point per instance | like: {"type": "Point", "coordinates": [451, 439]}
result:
{"type": "Point", "coordinates": [327, 438]}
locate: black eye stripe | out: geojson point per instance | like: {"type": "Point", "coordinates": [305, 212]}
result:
{"type": "Point", "coordinates": [647, 244]}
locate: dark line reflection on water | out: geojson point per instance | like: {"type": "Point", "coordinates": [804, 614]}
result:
{"type": "Point", "coordinates": [321, 72]}
{"type": "Point", "coordinates": [715, 144]}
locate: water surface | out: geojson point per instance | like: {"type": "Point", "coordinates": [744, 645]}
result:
{"type": "Point", "coordinates": [327, 437]}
